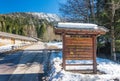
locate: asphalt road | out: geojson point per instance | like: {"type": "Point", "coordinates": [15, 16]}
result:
{"type": "Point", "coordinates": [24, 65]}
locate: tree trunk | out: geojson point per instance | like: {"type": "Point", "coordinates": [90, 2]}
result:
{"type": "Point", "coordinates": [113, 54]}
{"type": "Point", "coordinates": [113, 30]}
{"type": "Point", "coordinates": [91, 6]}
{"type": "Point", "coordinates": [93, 13]}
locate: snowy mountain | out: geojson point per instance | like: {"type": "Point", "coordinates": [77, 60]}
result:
{"type": "Point", "coordinates": [49, 17]}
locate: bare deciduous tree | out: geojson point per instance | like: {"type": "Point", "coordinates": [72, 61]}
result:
{"type": "Point", "coordinates": [78, 10]}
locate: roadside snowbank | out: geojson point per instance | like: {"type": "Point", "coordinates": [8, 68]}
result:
{"type": "Point", "coordinates": [5, 48]}
{"type": "Point", "coordinates": [110, 68]}
{"type": "Point", "coordinates": [57, 44]}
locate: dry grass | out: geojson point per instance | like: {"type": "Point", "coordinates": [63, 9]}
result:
{"type": "Point", "coordinates": [52, 47]}
{"type": "Point", "coordinates": [2, 44]}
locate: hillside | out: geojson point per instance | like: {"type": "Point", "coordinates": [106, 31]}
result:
{"type": "Point", "coordinates": [38, 25]}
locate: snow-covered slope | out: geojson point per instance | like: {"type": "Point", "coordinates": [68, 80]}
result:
{"type": "Point", "coordinates": [49, 17]}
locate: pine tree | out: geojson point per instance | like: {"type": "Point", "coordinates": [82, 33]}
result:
{"type": "Point", "coordinates": [42, 30]}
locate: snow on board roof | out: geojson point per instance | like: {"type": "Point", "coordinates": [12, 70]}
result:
{"type": "Point", "coordinates": [85, 26]}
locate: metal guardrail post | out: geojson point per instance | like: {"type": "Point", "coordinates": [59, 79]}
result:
{"type": "Point", "coordinates": [12, 47]}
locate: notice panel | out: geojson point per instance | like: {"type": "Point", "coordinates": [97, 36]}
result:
{"type": "Point", "coordinates": [77, 48]}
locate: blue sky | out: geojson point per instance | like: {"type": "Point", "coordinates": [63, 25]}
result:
{"type": "Point", "coordinates": [46, 6]}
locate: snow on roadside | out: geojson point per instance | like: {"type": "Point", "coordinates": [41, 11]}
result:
{"type": "Point", "coordinates": [8, 47]}
{"type": "Point", "coordinates": [5, 48]}
{"type": "Point", "coordinates": [57, 44]}
{"type": "Point", "coordinates": [110, 68]}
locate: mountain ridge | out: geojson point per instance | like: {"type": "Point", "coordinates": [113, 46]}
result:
{"type": "Point", "coordinates": [29, 24]}
{"type": "Point", "coordinates": [50, 17]}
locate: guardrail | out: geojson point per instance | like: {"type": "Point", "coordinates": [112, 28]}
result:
{"type": "Point", "coordinates": [11, 48]}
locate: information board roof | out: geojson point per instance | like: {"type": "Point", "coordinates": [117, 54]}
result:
{"type": "Point", "coordinates": [80, 26]}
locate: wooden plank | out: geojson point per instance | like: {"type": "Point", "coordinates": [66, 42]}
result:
{"type": "Point", "coordinates": [79, 45]}
{"type": "Point", "coordinates": [78, 49]}
{"type": "Point", "coordinates": [79, 58]}
{"type": "Point", "coordinates": [81, 39]}
{"type": "Point", "coordinates": [64, 57]}
{"type": "Point", "coordinates": [74, 42]}
{"type": "Point", "coordinates": [79, 64]}
{"type": "Point", "coordinates": [87, 52]}
{"type": "Point", "coordinates": [79, 32]}
{"type": "Point", "coordinates": [79, 53]}
{"type": "Point", "coordinates": [70, 48]}
{"type": "Point", "coordinates": [79, 42]}
{"type": "Point", "coordinates": [68, 51]}
{"type": "Point", "coordinates": [94, 55]}
{"type": "Point", "coordinates": [78, 38]}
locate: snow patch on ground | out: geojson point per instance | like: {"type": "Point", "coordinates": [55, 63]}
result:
{"type": "Point", "coordinates": [57, 44]}
{"type": "Point", "coordinates": [5, 48]}
{"type": "Point", "coordinates": [110, 68]}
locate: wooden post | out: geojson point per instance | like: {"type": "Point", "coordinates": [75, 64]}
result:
{"type": "Point", "coordinates": [12, 41]}
{"type": "Point", "coordinates": [94, 55]}
{"type": "Point", "coordinates": [64, 62]}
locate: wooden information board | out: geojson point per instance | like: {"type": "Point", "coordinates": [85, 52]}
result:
{"type": "Point", "coordinates": [78, 48]}
{"type": "Point", "coordinates": [79, 44]}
